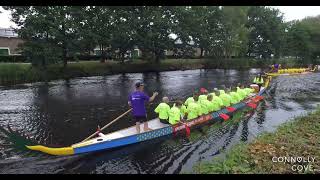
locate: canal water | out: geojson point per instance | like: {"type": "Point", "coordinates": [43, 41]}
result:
{"type": "Point", "coordinates": [60, 113]}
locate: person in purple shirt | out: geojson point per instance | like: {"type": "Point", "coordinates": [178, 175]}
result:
{"type": "Point", "coordinates": [137, 100]}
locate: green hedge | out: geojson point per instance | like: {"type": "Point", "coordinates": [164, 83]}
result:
{"type": "Point", "coordinates": [13, 59]}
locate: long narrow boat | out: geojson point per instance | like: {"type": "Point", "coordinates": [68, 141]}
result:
{"type": "Point", "coordinates": [291, 73]}
{"type": "Point", "coordinates": [130, 136]}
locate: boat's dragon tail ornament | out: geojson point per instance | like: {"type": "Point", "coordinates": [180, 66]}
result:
{"type": "Point", "coordinates": [16, 140]}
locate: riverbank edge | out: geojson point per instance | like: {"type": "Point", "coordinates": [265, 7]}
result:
{"type": "Point", "coordinates": [297, 138]}
{"type": "Point", "coordinates": [17, 73]}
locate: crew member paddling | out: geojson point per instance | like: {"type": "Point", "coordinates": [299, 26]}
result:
{"type": "Point", "coordinates": [189, 100]}
{"type": "Point", "coordinates": [218, 103]}
{"type": "Point", "coordinates": [203, 95]}
{"type": "Point", "coordinates": [137, 100]}
{"type": "Point", "coordinates": [258, 80]}
{"type": "Point", "coordinates": [206, 105]}
{"type": "Point", "coordinates": [175, 115]}
{"type": "Point", "coordinates": [235, 96]}
{"type": "Point", "coordinates": [194, 109]}
{"type": "Point", "coordinates": [241, 91]}
{"type": "Point", "coordinates": [248, 91]}
{"type": "Point", "coordinates": [183, 109]}
{"type": "Point", "coordinates": [226, 98]}
{"type": "Point", "coordinates": [163, 110]}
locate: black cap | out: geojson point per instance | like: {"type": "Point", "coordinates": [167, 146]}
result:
{"type": "Point", "coordinates": [138, 84]}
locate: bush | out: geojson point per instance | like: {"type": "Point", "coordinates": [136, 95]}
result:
{"type": "Point", "coordinates": [85, 58]}
{"type": "Point", "coordinates": [13, 59]}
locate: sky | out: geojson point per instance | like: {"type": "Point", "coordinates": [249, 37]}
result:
{"type": "Point", "coordinates": [290, 13]}
{"type": "Point", "coordinates": [298, 12]}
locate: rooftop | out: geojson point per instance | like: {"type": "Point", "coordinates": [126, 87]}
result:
{"type": "Point", "coordinates": [7, 32]}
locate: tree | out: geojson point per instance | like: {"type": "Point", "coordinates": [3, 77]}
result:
{"type": "Point", "coordinates": [213, 37]}
{"type": "Point", "coordinates": [312, 25]}
{"type": "Point", "coordinates": [45, 27]}
{"type": "Point", "coordinates": [153, 25]}
{"type": "Point", "coordinates": [298, 41]}
{"type": "Point", "coordinates": [266, 31]}
{"type": "Point", "coordinates": [123, 31]}
{"type": "Point", "coordinates": [97, 25]}
{"type": "Point", "coordinates": [303, 39]}
{"type": "Point", "coordinates": [235, 32]}
{"type": "Point", "coordinates": [202, 25]}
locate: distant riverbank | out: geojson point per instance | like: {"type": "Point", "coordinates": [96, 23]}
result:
{"type": "Point", "coordinates": [15, 73]}
{"type": "Point", "coordinates": [267, 154]}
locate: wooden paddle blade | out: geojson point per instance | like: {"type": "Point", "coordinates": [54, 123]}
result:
{"type": "Point", "coordinates": [260, 97]}
{"type": "Point", "coordinates": [231, 109]}
{"type": "Point", "coordinates": [252, 105]}
{"type": "Point", "coordinates": [224, 116]}
{"type": "Point", "coordinates": [257, 99]}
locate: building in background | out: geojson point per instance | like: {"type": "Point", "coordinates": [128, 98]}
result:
{"type": "Point", "coordinates": [9, 42]}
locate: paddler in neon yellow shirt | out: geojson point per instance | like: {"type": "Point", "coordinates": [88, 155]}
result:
{"type": "Point", "coordinates": [216, 100]}
{"type": "Point", "coordinates": [214, 105]}
{"type": "Point", "coordinates": [235, 96]}
{"type": "Point", "coordinates": [163, 110]}
{"type": "Point", "coordinates": [226, 98]}
{"type": "Point", "coordinates": [206, 105]}
{"type": "Point", "coordinates": [194, 109]}
{"type": "Point", "coordinates": [241, 92]}
{"type": "Point", "coordinates": [203, 95]}
{"type": "Point", "coordinates": [183, 109]}
{"type": "Point", "coordinates": [203, 101]}
{"type": "Point", "coordinates": [249, 90]}
{"type": "Point", "coordinates": [189, 100]}
{"type": "Point", "coordinates": [232, 95]}
{"type": "Point", "coordinates": [175, 113]}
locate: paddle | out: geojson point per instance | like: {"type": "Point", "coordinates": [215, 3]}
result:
{"type": "Point", "coordinates": [97, 132]}
{"type": "Point", "coordinates": [224, 116]}
{"type": "Point", "coordinates": [252, 105]}
{"type": "Point", "coordinates": [257, 99]}
{"type": "Point", "coordinates": [230, 109]}
{"type": "Point", "coordinates": [187, 128]}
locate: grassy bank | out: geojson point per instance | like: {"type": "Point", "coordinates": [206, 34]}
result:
{"type": "Point", "coordinates": [14, 73]}
{"type": "Point", "coordinates": [298, 138]}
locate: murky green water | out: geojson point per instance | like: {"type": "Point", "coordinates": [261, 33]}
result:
{"type": "Point", "coordinates": [61, 113]}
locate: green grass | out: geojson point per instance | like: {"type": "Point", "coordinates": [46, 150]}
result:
{"type": "Point", "coordinates": [298, 138]}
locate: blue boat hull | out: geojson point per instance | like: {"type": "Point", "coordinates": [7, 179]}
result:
{"type": "Point", "coordinates": [215, 116]}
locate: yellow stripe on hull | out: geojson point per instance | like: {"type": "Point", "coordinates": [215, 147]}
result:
{"type": "Point", "coordinates": [53, 151]}
{"type": "Point", "coordinates": [266, 84]}
{"type": "Point", "coordinates": [279, 74]}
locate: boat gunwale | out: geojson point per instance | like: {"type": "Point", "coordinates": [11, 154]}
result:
{"type": "Point", "coordinates": [288, 74]}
